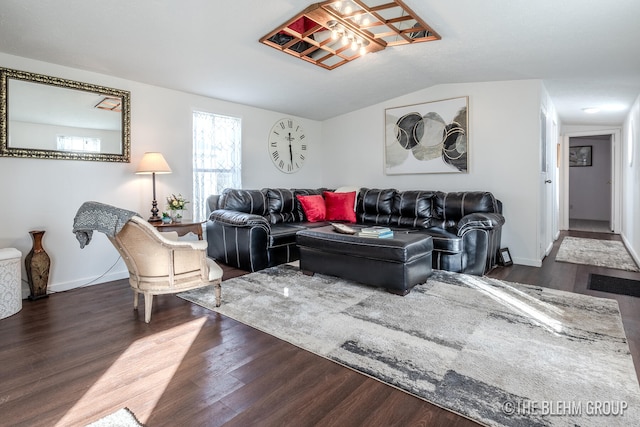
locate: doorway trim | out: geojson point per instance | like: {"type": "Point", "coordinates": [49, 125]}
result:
{"type": "Point", "coordinates": [616, 178]}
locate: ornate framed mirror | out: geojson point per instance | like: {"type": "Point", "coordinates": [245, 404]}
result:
{"type": "Point", "coordinates": [53, 118]}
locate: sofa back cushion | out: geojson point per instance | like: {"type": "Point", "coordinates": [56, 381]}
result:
{"type": "Point", "coordinates": [413, 208]}
{"type": "Point", "coordinates": [375, 205]}
{"type": "Point", "coordinates": [282, 205]}
{"type": "Point", "coordinates": [247, 201]}
{"type": "Point", "coordinates": [451, 207]}
{"type": "Point", "coordinates": [416, 204]}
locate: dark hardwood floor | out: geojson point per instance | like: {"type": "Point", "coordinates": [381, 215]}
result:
{"type": "Point", "coordinates": [79, 355]}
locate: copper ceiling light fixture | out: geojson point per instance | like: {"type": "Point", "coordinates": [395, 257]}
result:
{"type": "Point", "coordinates": [332, 33]}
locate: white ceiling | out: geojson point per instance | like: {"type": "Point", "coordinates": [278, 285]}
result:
{"type": "Point", "coordinates": [586, 51]}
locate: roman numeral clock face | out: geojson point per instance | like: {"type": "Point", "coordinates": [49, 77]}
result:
{"type": "Point", "coordinates": [287, 145]}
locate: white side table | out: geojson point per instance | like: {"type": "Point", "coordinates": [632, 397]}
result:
{"type": "Point", "coordinates": [10, 282]}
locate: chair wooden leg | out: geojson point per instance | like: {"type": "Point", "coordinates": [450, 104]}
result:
{"type": "Point", "coordinates": [148, 304]}
{"type": "Point", "coordinates": [135, 300]}
{"type": "Point", "coordinates": [218, 290]}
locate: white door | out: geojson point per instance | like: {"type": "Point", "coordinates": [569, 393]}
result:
{"type": "Point", "coordinates": [554, 203]}
{"type": "Point", "coordinates": [547, 183]}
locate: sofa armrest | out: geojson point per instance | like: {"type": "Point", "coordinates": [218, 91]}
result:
{"type": "Point", "coordinates": [239, 239]}
{"type": "Point", "coordinates": [239, 219]}
{"type": "Point", "coordinates": [480, 221]}
{"type": "Point", "coordinates": [212, 203]}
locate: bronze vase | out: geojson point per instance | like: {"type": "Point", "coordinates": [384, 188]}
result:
{"type": "Point", "coordinates": [37, 264]}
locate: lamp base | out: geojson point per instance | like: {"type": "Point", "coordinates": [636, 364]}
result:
{"type": "Point", "coordinates": [154, 207]}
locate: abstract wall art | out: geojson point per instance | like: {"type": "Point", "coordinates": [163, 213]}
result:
{"type": "Point", "coordinates": [580, 155]}
{"type": "Point", "coordinates": [432, 137]}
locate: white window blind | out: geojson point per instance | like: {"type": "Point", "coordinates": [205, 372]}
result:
{"type": "Point", "coordinates": [216, 157]}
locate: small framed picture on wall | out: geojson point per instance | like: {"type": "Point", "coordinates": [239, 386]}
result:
{"type": "Point", "coordinates": [580, 155]}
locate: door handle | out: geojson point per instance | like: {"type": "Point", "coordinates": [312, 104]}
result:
{"type": "Point", "coordinates": [548, 181]}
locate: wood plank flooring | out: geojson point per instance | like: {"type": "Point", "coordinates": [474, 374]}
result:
{"type": "Point", "coordinates": [79, 355]}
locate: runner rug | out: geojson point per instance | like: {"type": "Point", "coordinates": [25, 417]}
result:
{"type": "Point", "coordinates": [500, 353]}
{"type": "Point", "coordinates": [601, 253]}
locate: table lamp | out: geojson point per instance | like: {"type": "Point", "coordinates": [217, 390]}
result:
{"type": "Point", "coordinates": [153, 163]}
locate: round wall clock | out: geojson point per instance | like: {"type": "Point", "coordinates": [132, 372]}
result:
{"type": "Point", "coordinates": [287, 145]}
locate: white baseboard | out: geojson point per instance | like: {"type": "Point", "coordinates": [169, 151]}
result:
{"type": "Point", "coordinates": [88, 281]}
{"type": "Point", "coordinates": [528, 262]}
{"type": "Point", "coordinates": [633, 253]}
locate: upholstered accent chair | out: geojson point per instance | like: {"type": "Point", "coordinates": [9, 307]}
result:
{"type": "Point", "coordinates": [160, 264]}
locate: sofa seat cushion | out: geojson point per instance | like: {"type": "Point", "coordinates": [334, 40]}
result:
{"type": "Point", "coordinates": [283, 234]}
{"type": "Point", "coordinates": [306, 224]}
{"type": "Point", "coordinates": [444, 240]}
{"type": "Point", "coordinates": [406, 221]}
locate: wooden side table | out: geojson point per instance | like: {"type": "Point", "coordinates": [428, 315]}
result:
{"type": "Point", "coordinates": [182, 228]}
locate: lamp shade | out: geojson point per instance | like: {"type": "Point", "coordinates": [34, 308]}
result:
{"type": "Point", "coordinates": [153, 163]}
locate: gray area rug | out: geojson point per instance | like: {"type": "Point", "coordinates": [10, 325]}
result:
{"type": "Point", "coordinates": [121, 418]}
{"type": "Point", "coordinates": [601, 253]}
{"type": "Point", "coordinates": [500, 353]}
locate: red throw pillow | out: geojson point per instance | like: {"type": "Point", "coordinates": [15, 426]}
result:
{"type": "Point", "coordinates": [340, 206]}
{"type": "Point", "coordinates": [313, 207]}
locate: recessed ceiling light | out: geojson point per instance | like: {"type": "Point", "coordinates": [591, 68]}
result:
{"type": "Point", "coordinates": [591, 110]}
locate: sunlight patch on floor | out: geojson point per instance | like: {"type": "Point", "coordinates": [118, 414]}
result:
{"type": "Point", "coordinates": [138, 375]}
{"type": "Point", "coordinates": [520, 302]}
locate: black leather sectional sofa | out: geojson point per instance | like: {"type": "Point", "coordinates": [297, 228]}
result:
{"type": "Point", "coordinates": [256, 229]}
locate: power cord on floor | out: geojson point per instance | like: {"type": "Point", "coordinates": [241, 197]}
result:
{"type": "Point", "coordinates": [102, 275]}
{"type": "Point", "coordinates": [90, 282]}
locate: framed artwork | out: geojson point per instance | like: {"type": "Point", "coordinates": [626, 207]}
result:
{"type": "Point", "coordinates": [580, 155]}
{"type": "Point", "coordinates": [427, 138]}
{"type": "Point", "coordinates": [504, 258]}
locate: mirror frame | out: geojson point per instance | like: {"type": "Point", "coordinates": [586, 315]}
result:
{"type": "Point", "coordinates": [6, 151]}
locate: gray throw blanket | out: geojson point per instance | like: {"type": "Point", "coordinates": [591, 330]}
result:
{"type": "Point", "coordinates": [97, 216]}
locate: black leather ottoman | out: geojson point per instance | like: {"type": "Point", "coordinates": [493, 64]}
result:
{"type": "Point", "coordinates": [396, 264]}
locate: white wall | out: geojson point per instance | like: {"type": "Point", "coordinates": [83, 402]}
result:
{"type": "Point", "coordinates": [45, 194]}
{"type": "Point", "coordinates": [504, 153]}
{"type": "Point", "coordinates": [631, 181]}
